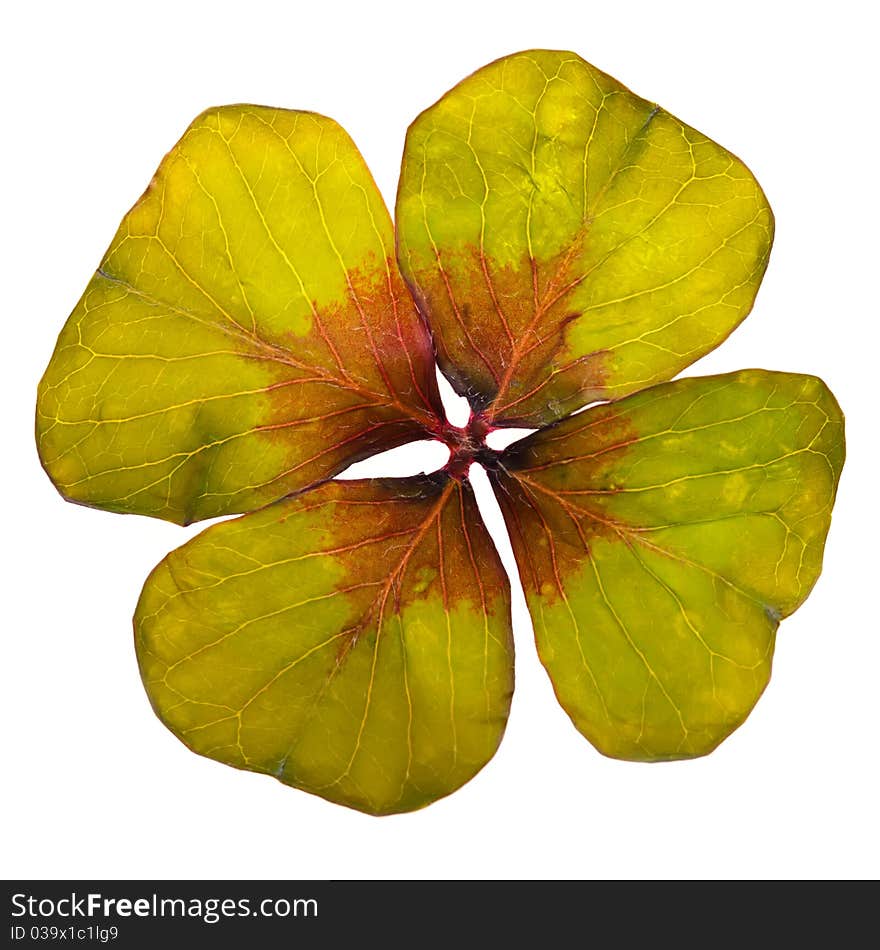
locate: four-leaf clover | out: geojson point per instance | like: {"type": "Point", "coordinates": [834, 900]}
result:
{"type": "Point", "coordinates": [257, 325]}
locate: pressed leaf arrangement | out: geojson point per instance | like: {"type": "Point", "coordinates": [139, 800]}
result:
{"type": "Point", "coordinates": [258, 324]}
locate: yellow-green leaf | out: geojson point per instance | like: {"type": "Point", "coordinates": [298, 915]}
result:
{"type": "Point", "coordinates": [660, 539]}
{"type": "Point", "coordinates": [246, 334]}
{"type": "Point", "coordinates": [570, 241]}
{"type": "Point", "coordinates": [353, 641]}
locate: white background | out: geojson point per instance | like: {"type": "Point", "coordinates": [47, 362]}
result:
{"type": "Point", "coordinates": [93, 95]}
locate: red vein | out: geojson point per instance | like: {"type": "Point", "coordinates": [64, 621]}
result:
{"type": "Point", "coordinates": [459, 318]}
{"type": "Point", "coordinates": [491, 288]}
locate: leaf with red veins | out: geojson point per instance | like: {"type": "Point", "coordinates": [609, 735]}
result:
{"type": "Point", "coordinates": [246, 334]}
{"type": "Point", "coordinates": [660, 539]}
{"type": "Point", "coordinates": [569, 241]}
{"type": "Point", "coordinates": [353, 641]}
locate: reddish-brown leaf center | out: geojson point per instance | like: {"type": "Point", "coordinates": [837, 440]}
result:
{"type": "Point", "coordinates": [467, 445]}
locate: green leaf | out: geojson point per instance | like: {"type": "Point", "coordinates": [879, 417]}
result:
{"type": "Point", "coordinates": [246, 334]}
{"type": "Point", "coordinates": [569, 240]}
{"type": "Point", "coordinates": [353, 641]}
{"type": "Point", "coordinates": [660, 539]}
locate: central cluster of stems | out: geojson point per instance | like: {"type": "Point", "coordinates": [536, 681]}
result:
{"type": "Point", "coordinates": [467, 445]}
